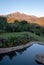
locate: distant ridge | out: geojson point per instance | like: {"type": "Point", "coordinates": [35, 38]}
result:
{"type": "Point", "coordinates": [21, 16]}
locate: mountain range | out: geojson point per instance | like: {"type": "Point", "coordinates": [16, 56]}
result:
{"type": "Point", "coordinates": [21, 16]}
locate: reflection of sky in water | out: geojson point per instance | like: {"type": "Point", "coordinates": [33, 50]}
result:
{"type": "Point", "coordinates": [22, 57]}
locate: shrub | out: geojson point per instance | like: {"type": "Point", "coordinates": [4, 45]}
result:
{"type": "Point", "coordinates": [1, 45]}
{"type": "Point", "coordinates": [15, 41]}
{"type": "Point", "coordinates": [2, 31]}
{"type": "Point", "coordinates": [24, 38]}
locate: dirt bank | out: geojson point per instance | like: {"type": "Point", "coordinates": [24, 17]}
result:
{"type": "Point", "coordinates": [5, 50]}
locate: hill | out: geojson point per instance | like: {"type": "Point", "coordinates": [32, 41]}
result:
{"type": "Point", "coordinates": [21, 16]}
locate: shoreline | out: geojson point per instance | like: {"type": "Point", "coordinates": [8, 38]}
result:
{"type": "Point", "coordinates": [10, 49]}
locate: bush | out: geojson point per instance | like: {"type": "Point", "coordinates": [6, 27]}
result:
{"type": "Point", "coordinates": [1, 45]}
{"type": "Point", "coordinates": [3, 42]}
{"type": "Point", "coordinates": [19, 40]}
{"type": "Point", "coordinates": [15, 41]}
{"type": "Point", "coordinates": [24, 38]}
{"type": "Point", "coordinates": [2, 31]}
{"type": "Point", "coordinates": [12, 41]}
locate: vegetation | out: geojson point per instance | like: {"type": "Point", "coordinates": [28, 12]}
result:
{"type": "Point", "coordinates": [7, 40]}
{"type": "Point", "coordinates": [20, 27]}
{"type": "Point", "coordinates": [18, 33]}
{"type": "Point", "coordinates": [19, 38]}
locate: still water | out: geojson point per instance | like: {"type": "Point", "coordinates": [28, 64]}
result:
{"type": "Point", "coordinates": [24, 56]}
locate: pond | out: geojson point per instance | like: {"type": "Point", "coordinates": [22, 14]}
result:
{"type": "Point", "coordinates": [24, 56]}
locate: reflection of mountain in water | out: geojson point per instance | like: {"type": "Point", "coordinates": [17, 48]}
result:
{"type": "Point", "coordinates": [12, 54]}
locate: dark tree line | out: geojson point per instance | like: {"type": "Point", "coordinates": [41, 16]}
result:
{"type": "Point", "coordinates": [20, 27]}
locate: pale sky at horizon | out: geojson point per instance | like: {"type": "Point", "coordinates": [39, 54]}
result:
{"type": "Point", "coordinates": [30, 7]}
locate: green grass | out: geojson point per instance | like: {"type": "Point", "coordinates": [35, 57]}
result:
{"type": "Point", "coordinates": [15, 34]}
{"type": "Point", "coordinates": [39, 38]}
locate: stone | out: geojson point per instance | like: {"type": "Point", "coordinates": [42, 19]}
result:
{"type": "Point", "coordinates": [39, 58]}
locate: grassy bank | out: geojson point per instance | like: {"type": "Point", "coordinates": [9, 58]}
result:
{"type": "Point", "coordinates": [14, 39]}
{"type": "Point", "coordinates": [18, 38]}
{"type": "Point", "coordinates": [16, 34]}
{"type": "Point", "coordinates": [34, 36]}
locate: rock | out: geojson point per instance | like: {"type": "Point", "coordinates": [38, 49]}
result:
{"type": "Point", "coordinates": [39, 58]}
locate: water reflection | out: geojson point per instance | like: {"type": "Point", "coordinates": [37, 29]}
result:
{"type": "Point", "coordinates": [21, 50]}
{"type": "Point", "coordinates": [38, 62]}
{"type": "Point", "coordinates": [12, 54]}
{"type": "Point", "coordinates": [20, 57]}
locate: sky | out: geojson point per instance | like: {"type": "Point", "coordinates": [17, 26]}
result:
{"type": "Point", "coordinates": [30, 7]}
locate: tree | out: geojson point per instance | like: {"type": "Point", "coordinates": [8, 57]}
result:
{"type": "Point", "coordinates": [23, 22]}
{"type": "Point", "coordinates": [3, 23]}
{"type": "Point", "coordinates": [42, 29]}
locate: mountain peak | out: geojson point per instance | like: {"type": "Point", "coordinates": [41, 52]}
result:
{"type": "Point", "coordinates": [21, 16]}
